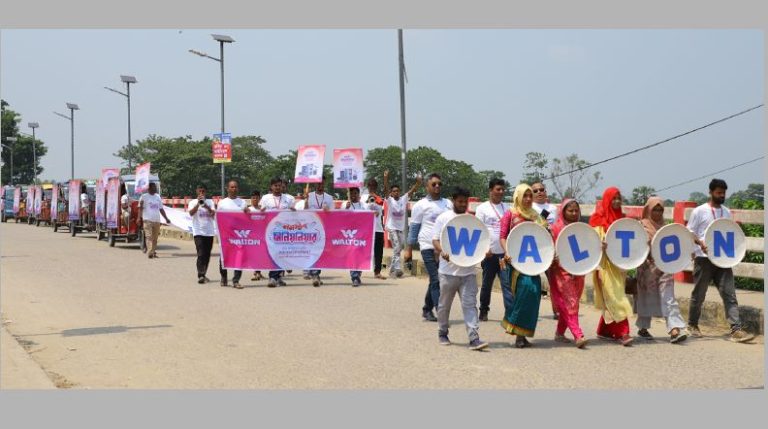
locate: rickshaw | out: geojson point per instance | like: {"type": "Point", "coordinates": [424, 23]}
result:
{"type": "Point", "coordinates": [7, 202]}
{"type": "Point", "coordinates": [132, 232]}
{"type": "Point", "coordinates": [45, 205]}
{"type": "Point", "coordinates": [62, 215]}
{"type": "Point", "coordinates": [82, 225]}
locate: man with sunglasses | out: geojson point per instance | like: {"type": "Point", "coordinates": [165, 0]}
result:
{"type": "Point", "coordinates": [549, 212]}
{"type": "Point", "coordinates": [424, 214]}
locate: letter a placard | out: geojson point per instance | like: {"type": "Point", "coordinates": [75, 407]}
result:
{"type": "Point", "coordinates": [626, 243]}
{"type": "Point", "coordinates": [531, 248]}
{"type": "Point", "coordinates": [466, 239]}
{"type": "Point", "coordinates": [726, 243]}
{"type": "Point", "coordinates": [671, 248]}
{"type": "Point", "coordinates": [579, 249]}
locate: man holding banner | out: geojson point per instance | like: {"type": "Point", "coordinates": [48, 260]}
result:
{"type": "Point", "coordinates": [371, 197]}
{"type": "Point", "coordinates": [276, 201]}
{"type": "Point", "coordinates": [318, 200]}
{"type": "Point", "coordinates": [425, 212]}
{"type": "Point", "coordinates": [454, 278]}
{"type": "Point", "coordinates": [705, 271]}
{"type": "Point", "coordinates": [202, 212]}
{"type": "Point", "coordinates": [231, 204]}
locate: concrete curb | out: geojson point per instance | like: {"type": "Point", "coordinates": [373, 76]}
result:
{"type": "Point", "coordinates": [712, 313]}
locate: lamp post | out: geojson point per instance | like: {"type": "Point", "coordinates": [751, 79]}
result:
{"type": "Point", "coordinates": [34, 125]}
{"type": "Point", "coordinates": [401, 72]}
{"type": "Point", "coordinates": [222, 40]}
{"type": "Point", "coordinates": [127, 94]}
{"type": "Point", "coordinates": [72, 107]}
{"type": "Point", "coordinates": [10, 139]}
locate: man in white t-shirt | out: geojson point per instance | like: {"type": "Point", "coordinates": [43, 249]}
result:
{"type": "Point", "coordinates": [490, 214]}
{"type": "Point", "coordinates": [254, 207]}
{"type": "Point", "coordinates": [202, 212]}
{"type": "Point", "coordinates": [455, 279]}
{"type": "Point", "coordinates": [317, 200]}
{"type": "Point", "coordinates": [541, 205]}
{"type": "Point", "coordinates": [276, 200]}
{"type": "Point", "coordinates": [85, 205]}
{"type": "Point", "coordinates": [232, 203]}
{"type": "Point", "coordinates": [151, 208]}
{"type": "Point", "coordinates": [397, 206]}
{"type": "Point", "coordinates": [424, 214]}
{"type": "Point", "coordinates": [371, 197]}
{"type": "Point", "coordinates": [704, 271]}
{"type": "Point", "coordinates": [125, 207]}
{"type": "Point", "coordinates": [354, 203]}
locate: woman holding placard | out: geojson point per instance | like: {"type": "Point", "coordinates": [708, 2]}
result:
{"type": "Point", "coordinates": [656, 289]}
{"type": "Point", "coordinates": [565, 287]}
{"type": "Point", "coordinates": [609, 279]}
{"type": "Point", "coordinates": [520, 315]}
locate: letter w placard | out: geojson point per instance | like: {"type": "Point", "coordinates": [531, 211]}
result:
{"type": "Point", "coordinates": [463, 240]}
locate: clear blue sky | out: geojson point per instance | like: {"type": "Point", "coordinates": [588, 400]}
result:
{"type": "Point", "coordinates": [483, 96]}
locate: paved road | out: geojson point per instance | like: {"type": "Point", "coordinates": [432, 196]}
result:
{"type": "Point", "coordinates": [98, 317]}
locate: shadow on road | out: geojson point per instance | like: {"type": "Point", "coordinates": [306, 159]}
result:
{"type": "Point", "coordinates": [96, 330]}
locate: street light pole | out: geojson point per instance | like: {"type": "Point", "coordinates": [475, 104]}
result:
{"type": "Point", "coordinates": [404, 166]}
{"type": "Point", "coordinates": [222, 40]}
{"type": "Point", "coordinates": [72, 107]}
{"type": "Point", "coordinates": [127, 94]}
{"type": "Point", "coordinates": [34, 125]}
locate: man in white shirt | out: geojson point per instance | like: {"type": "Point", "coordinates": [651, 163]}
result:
{"type": "Point", "coordinates": [232, 203]}
{"type": "Point", "coordinates": [424, 214]}
{"type": "Point", "coordinates": [202, 212]}
{"type": "Point", "coordinates": [354, 203]}
{"type": "Point", "coordinates": [371, 197]}
{"type": "Point", "coordinates": [704, 271]}
{"type": "Point", "coordinates": [549, 212]}
{"type": "Point", "coordinates": [455, 279]}
{"type": "Point", "coordinates": [397, 206]}
{"type": "Point", "coordinates": [317, 200]}
{"type": "Point", "coordinates": [151, 208]}
{"type": "Point", "coordinates": [254, 207]}
{"type": "Point", "coordinates": [277, 200]}
{"type": "Point", "coordinates": [85, 205]}
{"type": "Point", "coordinates": [125, 207]}
{"type": "Point", "coordinates": [490, 214]}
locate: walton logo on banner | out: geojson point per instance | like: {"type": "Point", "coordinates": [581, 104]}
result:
{"type": "Point", "coordinates": [349, 239]}
{"type": "Point", "coordinates": [349, 233]}
{"type": "Point", "coordinates": [243, 233]}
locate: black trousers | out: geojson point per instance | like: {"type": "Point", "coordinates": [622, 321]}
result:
{"type": "Point", "coordinates": [378, 252]}
{"type": "Point", "coordinates": [203, 244]}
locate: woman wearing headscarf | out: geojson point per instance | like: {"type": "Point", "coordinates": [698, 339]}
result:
{"type": "Point", "coordinates": [656, 289]}
{"type": "Point", "coordinates": [522, 313]}
{"type": "Point", "coordinates": [608, 278]}
{"type": "Point", "coordinates": [564, 287]}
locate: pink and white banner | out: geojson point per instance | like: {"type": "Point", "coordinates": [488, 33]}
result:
{"type": "Point", "coordinates": [277, 240]}
{"type": "Point", "coordinates": [54, 202]}
{"type": "Point", "coordinates": [74, 200]}
{"type": "Point", "coordinates": [100, 201]}
{"type": "Point", "coordinates": [113, 202]}
{"type": "Point", "coordinates": [348, 168]}
{"type": "Point", "coordinates": [38, 202]}
{"type": "Point", "coordinates": [309, 164]}
{"type": "Point", "coordinates": [30, 206]}
{"type": "Point", "coordinates": [142, 178]}
{"type": "Point", "coordinates": [16, 200]}
{"type": "Point", "coordinates": [108, 173]}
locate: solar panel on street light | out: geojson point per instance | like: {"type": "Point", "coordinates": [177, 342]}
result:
{"type": "Point", "coordinates": [222, 38]}
{"type": "Point", "coordinates": [72, 106]}
{"type": "Point", "coordinates": [33, 125]}
{"type": "Point", "coordinates": [128, 79]}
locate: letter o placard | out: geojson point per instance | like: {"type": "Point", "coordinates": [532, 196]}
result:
{"type": "Point", "coordinates": [466, 239]}
{"type": "Point", "coordinates": [531, 248]}
{"type": "Point", "coordinates": [726, 243]}
{"type": "Point", "coordinates": [671, 248]}
{"type": "Point", "coordinates": [579, 249]}
{"type": "Point", "coordinates": [626, 243]}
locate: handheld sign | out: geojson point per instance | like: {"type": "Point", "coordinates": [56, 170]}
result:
{"type": "Point", "coordinates": [309, 164]}
{"type": "Point", "coordinates": [531, 248]}
{"type": "Point", "coordinates": [626, 243]}
{"type": "Point", "coordinates": [726, 243]}
{"type": "Point", "coordinates": [671, 248]}
{"type": "Point", "coordinates": [466, 239]}
{"type": "Point", "coordinates": [579, 249]}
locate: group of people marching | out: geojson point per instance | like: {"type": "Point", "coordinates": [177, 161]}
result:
{"type": "Point", "coordinates": [522, 293]}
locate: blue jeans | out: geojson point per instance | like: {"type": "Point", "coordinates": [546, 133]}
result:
{"type": "Point", "coordinates": [491, 269]}
{"type": "Point", "coordinates": [432, 298]}
{"type": "Point", "coordinates": [274, 274]}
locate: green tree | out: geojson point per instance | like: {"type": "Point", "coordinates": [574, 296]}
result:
{"type": "Point", "coordinates": [640, 195]}
{"type": "Point", "coordinates": [23, 154]}
{"type": "Point", "coordinates": [698, 197]}
{"type": "Point", "coordinates": [534, 168]}
{"type": "Point", "coordinates": [750, 198]}
{"type": "Point", "coordinates": [574, 180]}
